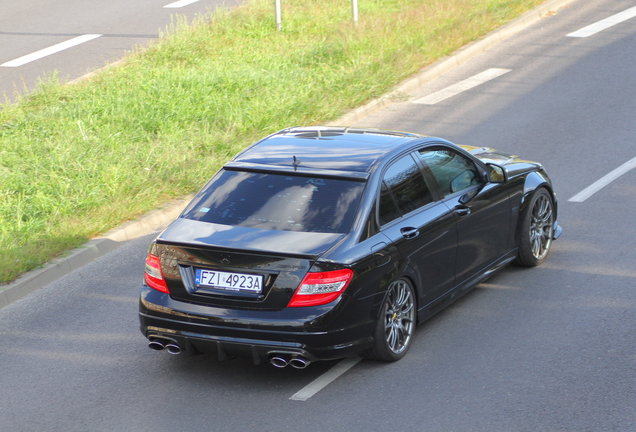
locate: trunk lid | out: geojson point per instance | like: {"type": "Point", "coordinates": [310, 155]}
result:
{"type": "Point", "coordinates": [236, 267]}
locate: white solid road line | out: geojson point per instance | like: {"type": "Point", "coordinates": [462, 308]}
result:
{"type": "Point", "coordinates": [604, 24]}
{"type": "Point", "coordinates": [462, 86]}
{"type": "Point", "coordinates": [600, 184]}
{"type": "Point", "coordinates": [50, 50]}
{"type": "Point", "coordinates": [323, 380]}
{"type": "Point", "coordinates": [180, 3]}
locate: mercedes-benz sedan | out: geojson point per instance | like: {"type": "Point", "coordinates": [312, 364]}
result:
{"type": "Point", "coordinates": [319, 243]}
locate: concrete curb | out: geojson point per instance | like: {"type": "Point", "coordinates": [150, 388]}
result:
{"type": "Point", "coordinates": [157, 219]}
{"type": "Point", "coordinates": [31, 281]}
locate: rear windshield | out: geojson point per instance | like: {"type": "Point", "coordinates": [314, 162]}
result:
{"type": "Point", "coordinates": [278, 202]}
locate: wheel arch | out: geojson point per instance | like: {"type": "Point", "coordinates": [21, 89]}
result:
{"type": "Point", "coordinates": [409, 275]}
{"type": "Point", "coordinates": [534, 181]}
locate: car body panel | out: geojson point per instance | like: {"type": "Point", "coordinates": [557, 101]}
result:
{"type": "Point", "coordinates": [482, 228]}
{"type": "Point", "coordinates": [345, 149]}
{"type": "Point", "coordinates": [252, 239]}
{"type": "Point", "coordinates": [432, 254]}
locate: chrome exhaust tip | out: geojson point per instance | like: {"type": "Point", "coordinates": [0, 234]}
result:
{"type": "Point", "coordinates": [173, 348]}
{"type": "Point", "coordinates": [278, 361]}
{"type": "Point", "coordinates": [156, 345]}
{"type": "Point", "coordinates": [299, 362]}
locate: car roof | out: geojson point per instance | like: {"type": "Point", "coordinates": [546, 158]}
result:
{"type": "Point", "coordinates": [339, 151]}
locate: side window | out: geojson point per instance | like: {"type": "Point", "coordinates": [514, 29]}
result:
{"type": "Point", "coordinates": [388, 209]}
{"type": "Point", "coordinates": [453, 171]}
{"type": "Point", "coordinates": [403, 190]}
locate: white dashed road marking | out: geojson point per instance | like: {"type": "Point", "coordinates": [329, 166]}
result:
{"type": "Point", "coordinates": [50, 50]}
{"type": "Point", "coordinates": [462, 86]}
{"type": "Point", "coordinates": [180, 3]}
{"type": "Point", "coordinates": [604, 24]}
{"type": "Point", "coordinates": [323, 380]}
{"type": "Point", "coordinates": [600, 184]}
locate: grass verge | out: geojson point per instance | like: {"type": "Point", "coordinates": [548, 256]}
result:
{"type": "Point", "coordinates": [78, 160]}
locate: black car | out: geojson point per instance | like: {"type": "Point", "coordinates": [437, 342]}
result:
{"type": "Point", "coordinates": [319, 243]}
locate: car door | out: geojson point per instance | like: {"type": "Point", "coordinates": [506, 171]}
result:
{"type": "Point", "coordinates": [423, 229]}
{"type": "Point", "coordinates": [482, 209]}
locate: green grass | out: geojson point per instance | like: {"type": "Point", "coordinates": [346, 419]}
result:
{"type": "Point", "coordinates": [76, 160]}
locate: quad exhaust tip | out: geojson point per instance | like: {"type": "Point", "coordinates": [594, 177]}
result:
{"type": "Point", "coordinates": [173, 349]}
{"type": "Point", "coordinates": [284, 360]}
{"type": "Point", "coordinates": [299, 362]}
{"type": "Point", "coordinates": [156, 345]}
{"type": "Point", "coordinates": [159, 345]}
{"type": "Point", "coordinates": [278, 361]}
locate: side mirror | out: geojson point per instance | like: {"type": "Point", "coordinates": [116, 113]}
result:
{"type": "Point", "coordinates": [496, 173]}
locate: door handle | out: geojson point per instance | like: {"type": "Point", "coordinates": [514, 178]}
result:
{"type": "Point", "coordinates": [409, 232]}
{"type": "Point", "coordinates": [462, 211]}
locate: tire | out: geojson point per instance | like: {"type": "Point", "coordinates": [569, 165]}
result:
{"type": "Point", "coordinates": [394, 331]}
{"type": "Point", "coordinates": [537, 230]}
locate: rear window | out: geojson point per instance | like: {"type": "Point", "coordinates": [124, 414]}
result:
{"type": "Point", "coordinates": [278, 202]}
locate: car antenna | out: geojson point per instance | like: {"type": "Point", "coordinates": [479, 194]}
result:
{"type": "Point", "coordinates": [296, 163]}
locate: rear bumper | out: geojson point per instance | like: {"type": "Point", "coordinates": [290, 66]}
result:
{"type": "Point", "coordinates": [258, 335]}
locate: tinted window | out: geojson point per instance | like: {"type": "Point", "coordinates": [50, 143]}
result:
{"type": "Point", "coordinates": [453, 172]}
{"type": "Point", "coordinates": [278, 202]}
{"type": "Point", "coordinates": [403, 186]}
{"type": "Point", "coordinates": [388, 209]}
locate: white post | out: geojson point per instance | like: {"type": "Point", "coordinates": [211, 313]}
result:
{"type": "Point", "coordinates": [354, 11]}
{"type": "Point", "coordinates": [277, 14]}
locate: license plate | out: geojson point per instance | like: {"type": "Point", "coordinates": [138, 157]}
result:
{"type": "Point", "coordinates": [229, 281]}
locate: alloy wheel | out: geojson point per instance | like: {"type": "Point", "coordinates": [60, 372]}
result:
{"type": "Point", "coordinates": [399, 316]}
{"type": "Point", "coordinates": [541, 227]}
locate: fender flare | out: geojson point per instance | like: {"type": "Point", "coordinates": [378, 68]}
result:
{"type": "Point", "coordinates": [533, 181]}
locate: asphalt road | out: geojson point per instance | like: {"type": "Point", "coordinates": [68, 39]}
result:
{"type": "Point", "coordinates": [546, 349]}
{"type": "Point", "coordinates": [28, 26]}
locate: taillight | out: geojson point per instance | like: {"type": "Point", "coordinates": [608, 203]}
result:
{"type": "Point", "coordinates": [320, 288]}
{"type": "Point", "coordinates": [153, 276]}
